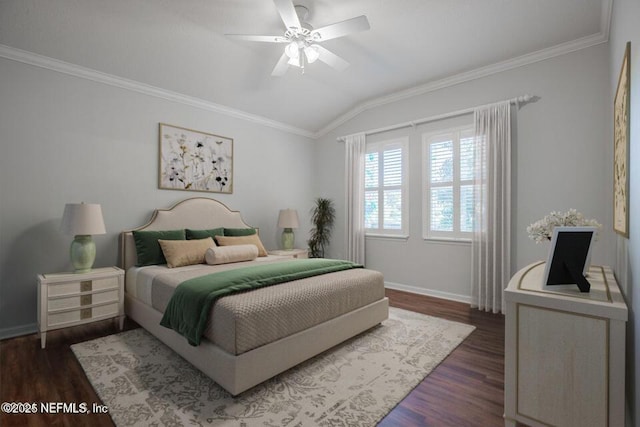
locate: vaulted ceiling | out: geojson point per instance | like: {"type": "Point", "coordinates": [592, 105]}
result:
{"type": "Point", "coordinates": [179, 46]}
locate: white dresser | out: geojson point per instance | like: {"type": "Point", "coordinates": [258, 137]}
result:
{"type": "Point", "coordinates": [69, 299]}
{"type": "Point", "coordinates": [564, 351]}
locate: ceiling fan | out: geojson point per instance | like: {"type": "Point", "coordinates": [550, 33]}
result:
{"type": "Point", "coordinates": [302, 41]}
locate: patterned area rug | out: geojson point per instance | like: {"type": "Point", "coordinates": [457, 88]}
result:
{"type": "Point", "coordinates": [357, 383]}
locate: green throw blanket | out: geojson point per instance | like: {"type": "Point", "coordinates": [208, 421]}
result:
{"type": "Point", "coordinates": [188, 310]}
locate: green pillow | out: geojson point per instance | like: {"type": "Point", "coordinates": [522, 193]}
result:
{"type": "Point", "coordinates": [203, 234]}
{"type": "Point", "coordinates": [239, 231]}
{"type": "Point", "coordinates": [147, 247]}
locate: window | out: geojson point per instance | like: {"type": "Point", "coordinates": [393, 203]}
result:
{"type": "Point", "coordinates": [448, 165]}
{"type": "Point", "coordinates": [385, 195]}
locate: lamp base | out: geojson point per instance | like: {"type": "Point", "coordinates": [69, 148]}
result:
{"type": "Point", "coordinates": [288, 239]}
{"type": "Point", "coordinates": [83, 253]}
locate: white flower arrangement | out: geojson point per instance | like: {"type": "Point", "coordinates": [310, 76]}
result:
{"type": "Point", "coordinates": [542, 230]}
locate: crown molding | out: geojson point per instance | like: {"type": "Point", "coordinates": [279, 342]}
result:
{"type": "Point", "coordinates": [52, 64]}
{"type": "Point", "coordinates": [520, 61]}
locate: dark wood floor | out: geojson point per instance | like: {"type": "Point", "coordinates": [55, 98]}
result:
{"type": "Point", "coordinates": [467, 388]}
{"type": "Point", "coordinates": [464, 390]}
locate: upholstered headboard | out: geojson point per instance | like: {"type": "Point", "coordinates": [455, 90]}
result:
{"type": "Point", "coordinates": [197, 213]}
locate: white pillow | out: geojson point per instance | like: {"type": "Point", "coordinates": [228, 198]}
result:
{"type": "Point", "coordinates": [227, 254]}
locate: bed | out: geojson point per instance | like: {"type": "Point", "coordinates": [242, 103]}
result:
{"type": "Point", "coordinates": [255, 335]}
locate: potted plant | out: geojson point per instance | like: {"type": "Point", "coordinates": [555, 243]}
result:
{"type": "Point", "coordinates": [322, 216]}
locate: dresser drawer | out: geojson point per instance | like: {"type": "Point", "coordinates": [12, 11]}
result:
{"type": "Point", "coordinates": [60, 318]}
{"type": "Point", "coordinates": [77, 301]}
{"type": "Point", "coordinates": [73, 288]}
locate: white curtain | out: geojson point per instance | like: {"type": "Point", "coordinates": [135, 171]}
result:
{"type": "Point", "coordinates": [491, 248]}
{"type": "Point", "coordinates": [355, 147]}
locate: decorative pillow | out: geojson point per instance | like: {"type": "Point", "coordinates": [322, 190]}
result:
{"type": "Point", "coordinates": [228, 254]}
{"type": "Point", "coordinates": [240, 231]}
{"type": "Point", "coordinates": [242, 240]}
{"type": "Point", "coordinates": [185, 252]}
{"type": "Point", "coordinates": [147, 247]}
{"type": "Point", "coordinates": [203, 234]}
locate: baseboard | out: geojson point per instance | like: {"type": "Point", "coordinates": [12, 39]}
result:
{"type": "Point", "coordinates": [16, 331]}
{"type": "Point", "coordinates": [428, 292]}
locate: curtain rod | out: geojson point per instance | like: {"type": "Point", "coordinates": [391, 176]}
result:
{"type": "Point", "coordinates": [519, 100]}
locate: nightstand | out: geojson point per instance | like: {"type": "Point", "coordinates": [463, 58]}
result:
{"type": "Point", "coordinates": [293, 253]}
{"type": "Point", "coordinates": [70, 299]}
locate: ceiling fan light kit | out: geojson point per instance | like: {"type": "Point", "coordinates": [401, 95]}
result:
{"type": "Point", "coordinates": [302, 41]}
{"type": "Point", "coordinates": [300, 53]}
{"type": "Point", "coordinates": [312, 53]}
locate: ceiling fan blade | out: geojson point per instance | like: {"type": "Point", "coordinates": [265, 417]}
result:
{"type": "Point", "coordinates": [288, 13]}
{"type": "Point", "coordinates": [251, 38]}
{"type": "Point", "coordinates": [339, 29]}
{"type": "Point", "coordinates": [331, 59]}
{"type": "Point", "coordinates": [281, 67]}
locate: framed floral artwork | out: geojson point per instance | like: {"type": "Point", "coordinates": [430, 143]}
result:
{"type": "Point", "coordinates": [621, 148]}
{"type": "Point", "coordinates": [195, 161]}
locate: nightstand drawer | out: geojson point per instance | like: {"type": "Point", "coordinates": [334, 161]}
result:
{"type": "Point", "coordinates": [83, 299]}
{"type": "Point", "coordinates": [74, 288]}
{"type": "Point", "coordinates": [292, 253]}
{"type": "Point", "coordinates": [64, 316]}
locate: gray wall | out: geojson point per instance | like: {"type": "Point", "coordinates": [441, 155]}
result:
{"type": "Point", "coordinates": [65, 139]}
{"type": "Point", "coordinates": [625, 28]}
{"type": "Point", "coordinates": [561, 161]}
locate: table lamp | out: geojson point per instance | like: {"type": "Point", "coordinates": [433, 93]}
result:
{"type": "Point", "coordinates": [82, 220]}
{"type": "Point", "coordinates": [288, 219]}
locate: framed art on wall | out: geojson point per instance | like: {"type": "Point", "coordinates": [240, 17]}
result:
{"type": "Point", "coordinates": [195, 161]}
{"type": "Point", "coordinates": [621, 148]}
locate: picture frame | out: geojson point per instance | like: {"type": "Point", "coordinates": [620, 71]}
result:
{"type": "Point", "coordinates": [192, 160]}
{"type": "Point", "coordinates": [621, 147]}
{"type": "Point", "coordinates": [569, 258]}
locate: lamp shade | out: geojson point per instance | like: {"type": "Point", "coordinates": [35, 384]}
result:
{"type": "Point", "coordinates": [83, 219]}
{"type": "Point", "coordinates": [288, 218]}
